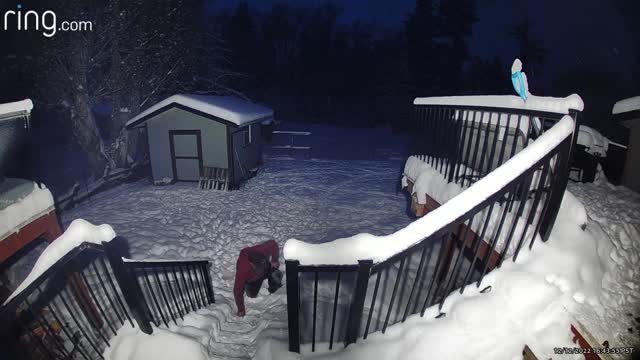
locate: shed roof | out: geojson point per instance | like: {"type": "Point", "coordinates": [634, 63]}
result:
{"type": "Point", "coordinates": [229, 108]}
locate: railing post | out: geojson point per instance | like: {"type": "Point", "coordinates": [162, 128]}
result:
{"type": "Point", "coordinates": [209, 286]}
{"type": "Point", "coordinates": [357, 302]}
{"type": "Point", "coordinates": [293, 304]}
{"type": "Point", "coordinates": [129, 287]}
{"type": "Point", "coordinates": [557, 188]}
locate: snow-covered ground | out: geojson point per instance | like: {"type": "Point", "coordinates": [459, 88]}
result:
{"type": "Point", "coordinates": [590, 274]}
{"type": "Point", "coordinates": [614, 217]}
{"type": "Point", "coordinates": [319, 199]}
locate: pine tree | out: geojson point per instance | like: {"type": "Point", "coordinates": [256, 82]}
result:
{"type": "Point", "coordinates": [419, 28]}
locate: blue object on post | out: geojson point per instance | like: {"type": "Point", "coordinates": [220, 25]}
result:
{"type": "Point", "coordinates": [518, 84]}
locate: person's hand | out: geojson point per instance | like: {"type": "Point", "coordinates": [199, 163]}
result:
{"type": "Point", "coordinates": [241, 313]}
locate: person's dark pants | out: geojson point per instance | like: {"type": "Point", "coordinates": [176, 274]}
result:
{"type": "Point", "coordinates": [274, 279]}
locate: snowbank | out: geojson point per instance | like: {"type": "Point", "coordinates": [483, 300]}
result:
{"type": "Point", "coordinates": [78, 232]}
{"type": "Point", "coordinates": [614, 221]}
{"type": "Point", "coordinates": [379, 248]}
{"type": "Point", "coordinates": [38, 202]}
{"type": "Point", "coordinates": [229, 108]}
{"type": "Point", "coordinates": [532, 301]}
{"type": "Point", "coordinates": [550, 104]}
{"type": "Point", "coordinates": [162, 344]}
{"type": "Point", "coordinates": [16, 107]}
{"type": "Point", "coordinates": [527, 304]}
{"type": "Point", "coordinates": [626, 105]}
{"type": "Point", "coordinates": [432, 182]}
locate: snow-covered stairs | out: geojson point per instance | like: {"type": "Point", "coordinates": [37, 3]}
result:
{"type": "Point", "coordinates": [234, 337]}
{"type": "Point", "coordinates": [215, 331]}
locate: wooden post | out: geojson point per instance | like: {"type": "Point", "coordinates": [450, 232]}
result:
{"type": "Point", "coordinates": [293, 304]}
{"type": "Point", "coordinates": [129, 286]}
{"type": "Point", "coordinates": [357, 302]}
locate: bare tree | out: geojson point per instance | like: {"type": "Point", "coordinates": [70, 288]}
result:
{"type": "Point", "coordinates": [135, 55]}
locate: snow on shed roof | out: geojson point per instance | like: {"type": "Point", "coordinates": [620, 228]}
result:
{"type": "Point", "coordinates": [549, 104]}
{"type": "Point", "coordinates": [626, 105]}
{"type": "Point", "coordinates": [229, 108]}
{"type": "Point", "coordinates": [16, 107]}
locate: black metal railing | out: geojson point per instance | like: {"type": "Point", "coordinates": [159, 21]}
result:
{"type": "Point", "coordinates": [465, 143]}
{"type": "Point", "coordinates": [494, 227]}
{"type": "Point", "coordinates": [78, 304]}
{"type": "Point", "coordinates": [172, 288]}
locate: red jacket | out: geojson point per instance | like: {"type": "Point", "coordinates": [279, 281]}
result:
{"type": "Point", "coordinates": [245, 272]}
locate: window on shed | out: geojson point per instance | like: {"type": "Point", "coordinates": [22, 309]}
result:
{"type": "Point", "coordinates": [247, 136]}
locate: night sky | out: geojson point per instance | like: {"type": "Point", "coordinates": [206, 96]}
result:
{"type": "Point", "coordinates": [576, 32]}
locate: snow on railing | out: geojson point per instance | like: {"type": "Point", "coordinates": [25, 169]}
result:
{"type": "Point", "coordinates": [79, 231]}
{"type": "Point", "coordinates": [81, 286]}
{"type": "Point", "coordinates": [510, 102]}
{"type": "Point", "coordinates": [379, 248]}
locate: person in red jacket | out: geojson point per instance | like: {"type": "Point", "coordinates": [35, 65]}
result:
{"type": "Point", "coordinates": [255, 264]}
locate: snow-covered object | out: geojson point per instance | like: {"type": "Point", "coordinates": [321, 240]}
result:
{"type": "Point", "coordinates": [16, 107]}
{"type": "Point", "coordinates": [38, 202]}
{"type": "Point", "coordinates": [413, 167]}
{"type": "Point", "coordinates": [379, 248]}
{"type": "Point", "coordinates": [431, 182]}
{"type": "Point", "coordinates": [550, 104]}
{"type": "Point", "coordinates": [596, 144]}
{"type": "Point", "coordinates": [626, 105]}
{"type": "Point", "coordinates": [229, 108]}
{"type": "Point", "coordinates": [78, 232]}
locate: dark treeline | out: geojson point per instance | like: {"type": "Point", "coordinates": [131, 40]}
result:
{"type": "Point", "coordinates": [306, 62]}
{"type": "Point", "coordinates": [310, 66]}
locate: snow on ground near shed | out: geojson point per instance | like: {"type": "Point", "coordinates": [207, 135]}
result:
{"type": "Point", "coordinates": [229, 108]}
{"type": "Point", "coordinates": [314, 199]}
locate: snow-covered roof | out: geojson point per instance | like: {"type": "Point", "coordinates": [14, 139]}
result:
{"type": "Point", "coordinates": [626, 105]}
{"type": "Point", "coordinates": [29, 203]}
{"type": "Point", "coordinates": [15, 108]}
{"type": "Point", "coordinates": [549, 104]}
{"type": "Point", "coordinates": [229, 108]}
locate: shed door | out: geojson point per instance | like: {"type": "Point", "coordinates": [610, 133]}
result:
{"type": "Point", "coordinates": [186, 154]}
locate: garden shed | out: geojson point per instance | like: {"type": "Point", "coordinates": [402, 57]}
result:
{"type": "Point", "coordinates": [190, 133]}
